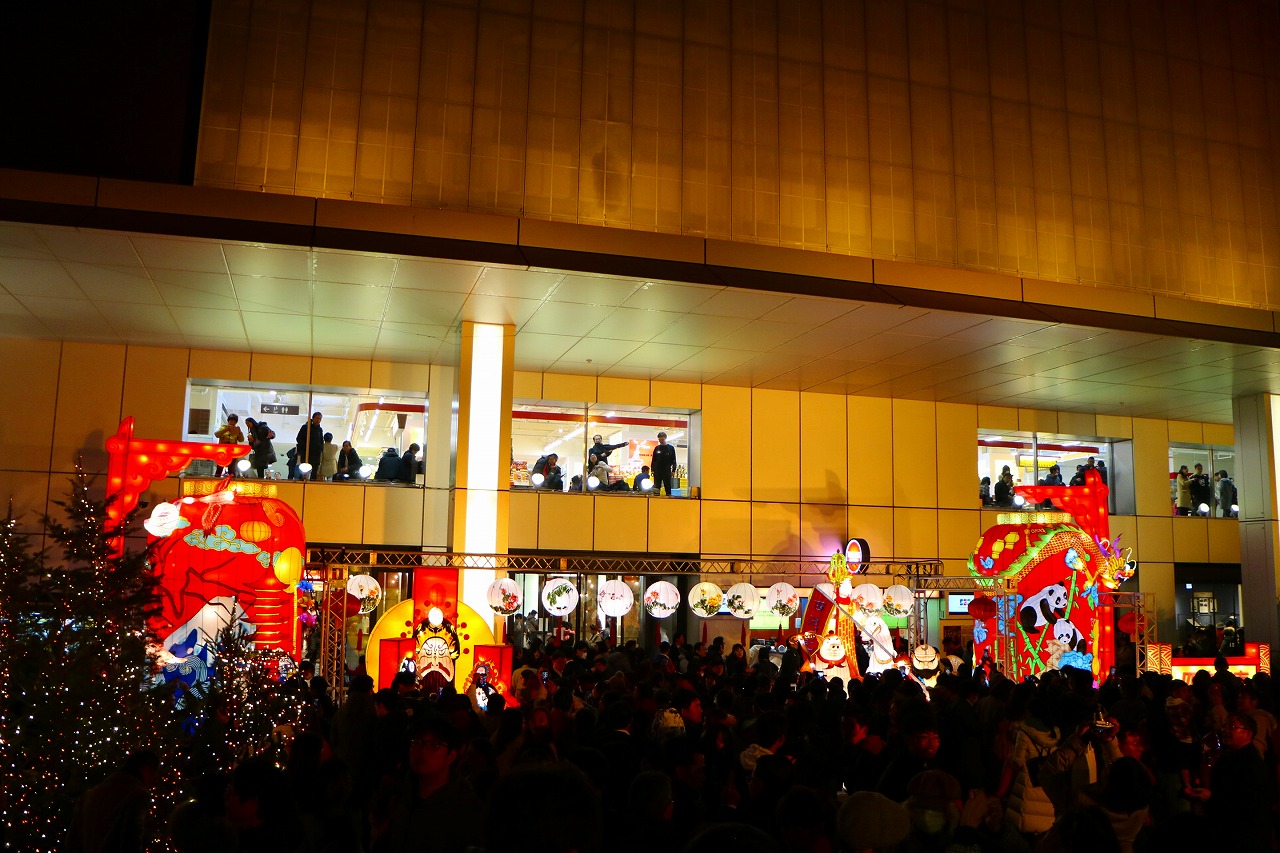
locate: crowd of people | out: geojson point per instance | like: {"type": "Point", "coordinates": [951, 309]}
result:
{"type": "Point", "coordinates": [698, 748]}
{"type": "Point", "coordinates": [314, 455]}
{"type": "Point", "coordinates": [546, 473]}
{"type": "Point", "coordinates": [1195, 493]}
{"type": "Point", "coordinates": [1001, 493]}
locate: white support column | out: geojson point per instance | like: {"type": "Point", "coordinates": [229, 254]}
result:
{"type": "Point", "coordinates": [482, 480]}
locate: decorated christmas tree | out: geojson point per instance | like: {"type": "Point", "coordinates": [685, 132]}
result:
{"type": "Point", "coordinates": [75, 660]}
{"type": "Point", "coordinates": [252, 707]}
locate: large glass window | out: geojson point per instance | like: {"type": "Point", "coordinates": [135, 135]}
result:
{"type": "Point", "coordinates": [1206, 485]}
{"type": "Point", "coordinates": [1028, 459]}
{"type": "Point", "coordinates": [628, 438]}
{"type": "Point", "coordinates": [376, 424]}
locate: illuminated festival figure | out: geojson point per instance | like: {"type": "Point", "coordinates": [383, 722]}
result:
{"type": "Point", "coordinates": [230, 557]}
{"type": "Point", "coordinates": [1054, 569]}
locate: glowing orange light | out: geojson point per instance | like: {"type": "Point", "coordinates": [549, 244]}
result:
{"type": "Point", "coordinates": [134, 463]}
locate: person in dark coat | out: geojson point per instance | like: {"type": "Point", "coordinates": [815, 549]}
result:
{"type": "Point", "coordinates": [388, 465]}
{"type": "Point", "coordinates": [311, 445]}
{"type": "Point", "coordinates": [1054, 479]}
{"type": "Point", "coordinates": [348, 463]}
{"type": "Point", "coordinates": [1201, 489]}
{"type": "Point", "coordinates": [1239, 793]}
{"type": "Point", "coordinates": [555, 480]}
{"type": "Point", "coordinates": [1004, 490]}
{"type": "Point", "coordinates": [1227, 494]}
{"type": "Point", "coordinates": [264, 452]}
{"type": "Point", "coordinates": [664, 464]}
{"type": "Point", "coordinates": [408, 472]}
{"type": "Point", "coordinates": [543, 466]}
{"type": "Point", "coordinates": [917, 753]}
{"type": "Point", "coordinates": [602, 450]}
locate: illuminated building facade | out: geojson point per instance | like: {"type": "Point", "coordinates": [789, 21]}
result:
{"type": "Point", "coordinates": [847, 242]}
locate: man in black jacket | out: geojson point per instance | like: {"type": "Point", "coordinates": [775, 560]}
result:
{"type": "Point", "coordinates": [1201, 489]}
{"type": "Point", "coordinates": [664, 464]}
{"type": "Point", "coordinates": [348, 463]}
{"type": "Point", "coordinates": [409, 465]}
{"type": "Point", "coordinates": [311, 445]}
{"type": "Point", "coordinates": [388, 465]}
{"type": "Point", "coordinates": [602, 450]}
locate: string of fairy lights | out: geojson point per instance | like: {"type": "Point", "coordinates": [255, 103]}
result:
{"type": "Point", "coordinates": [78, 679]}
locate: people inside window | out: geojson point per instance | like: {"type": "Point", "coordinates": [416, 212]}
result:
{"type": "Point", "coordinates": [1228, 502]}
{"type": "Point", "coordinates": [348, 463]}
{"type": "Point", "coordinates": [1196, 482]}
{"type": "Point", "coordinates": [625, 444]}
{"type": "Point", "coordinates": [367, 422]}
{"type": "Point", "coordinates": [388, 466]}
{"type": "Point", "coordinates": [409, 466]}
{"type": "Point", "coordinates": [1004, 490]}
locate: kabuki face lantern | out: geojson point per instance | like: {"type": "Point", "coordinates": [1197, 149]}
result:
{"type": "Point", "coordinates": [437, 651]}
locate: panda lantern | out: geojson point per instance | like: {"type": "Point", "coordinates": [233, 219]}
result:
{"type": "Point", "coordinates": [1053, 566]}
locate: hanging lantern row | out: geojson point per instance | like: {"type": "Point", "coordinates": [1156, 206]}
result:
{"type": "Point", "coordinates": [662, 599]}
{"type": "Point", "coordinates": [869, 600]}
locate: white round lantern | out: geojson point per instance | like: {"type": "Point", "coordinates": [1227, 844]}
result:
{"type": "Point", "coordinates": [867, 599]}
{"type": "Point", "coordinates": [559, 596]}
{"type": "Point", "coordinates": [705, 599]}
{"type": "Point", "coordinates": [782, 599]}
{"type": "Point", "coordinates": [367, 589]}
{"type": "Point", "coordinates": [615, 598]}
{"type": "Point", "coordinates": [504, 597]}
{"type": "Point", "coordinates": [898, 601]}
{"type": "Point", "coordinates": [661, 599]}
{"type": "Point", "coordinates": [743, 600]}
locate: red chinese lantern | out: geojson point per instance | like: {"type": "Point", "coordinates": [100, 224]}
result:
{"type": "Point", "coordinates": [1130, 622]}
{"type": "Point", "coordinates": [982, 608]}
{"type": "Point", "coordinates": [344, 606]}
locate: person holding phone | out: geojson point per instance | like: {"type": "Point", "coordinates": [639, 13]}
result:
{"type": "Point", "coordinates": [1236, 799]}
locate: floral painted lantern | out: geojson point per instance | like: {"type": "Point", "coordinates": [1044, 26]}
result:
{"type": "Point", "coordinates": [898, 601]}
{"type": "Point", "coordinates": [559, 596]}
{"type": "Point", "coordinates": [782, 599]}
{"type": "Point", "coordinates": [504, 597]}
{"type": "Point", "coordinates": [367, 590]}
{"type": "Point", "coordinates": [615, 598]}
{"type": "Point", "coordinates": [705, 599]}
{"type": "Point", "coordinates": [743, 600]}
{"type": "Point", "coordinates": [661, 599]}
{"type": "Point", "coordinates": [867, 599]}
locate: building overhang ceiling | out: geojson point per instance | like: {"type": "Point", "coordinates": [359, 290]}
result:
{"type": "Point", "coordinates": [90, 259]}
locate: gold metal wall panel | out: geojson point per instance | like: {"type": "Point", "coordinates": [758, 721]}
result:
{"type": "Point", "coordinates": [1005, 137]}
{"type": "Point", "coordinates": [89, 380]}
